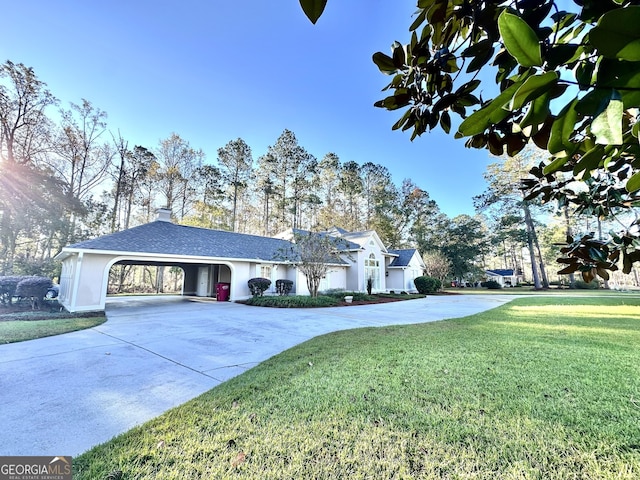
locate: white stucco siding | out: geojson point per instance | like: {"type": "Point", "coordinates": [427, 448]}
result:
{"type": "Point", "coordinates": [242, 272]}
{"type": "Point", "coordinates": [395, 280]}
{"type": "Point", "coordinates": [414, 269]}
{"type": "Point", "coordinates": [83, 286]}
{"type": "Point", "coordinates": [355, 272]}
{"type": "Point", "coordinates": [338, 277]}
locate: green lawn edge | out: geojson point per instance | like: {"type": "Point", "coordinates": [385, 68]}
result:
{"type": "Point", "coordinates": [542, 387]}
{"type": "Point", "coordinates": [22, 330]}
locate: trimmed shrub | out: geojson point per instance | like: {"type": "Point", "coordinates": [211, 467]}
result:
{"type": "Point", "coordinates": [284, 287]}
{"type": "Point", "coordinates": [293, 301]}
{"type": "Point", "coordinates": [257, 286]}
{"type": "Point", "coordinates": [426, 285]}
{"type": "Point", "coordinates": [8, 287]}
{"type": "Point", "coordinates": [340, 294]}
{"type": "Point", "coordinates": [369, 285]}
{"type": "Point", "coordinates": [582, 285]}
{"type": "Point", "coordinates": [491, 285]}
{"type": "Point", "coordinates": [33, 287]}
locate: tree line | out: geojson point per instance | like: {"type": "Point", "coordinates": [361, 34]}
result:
{"type": "Point", "coordinates": [68, 177]}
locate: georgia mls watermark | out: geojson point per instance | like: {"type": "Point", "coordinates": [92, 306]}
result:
{"type": "Point", "coordinates": [35, 468]}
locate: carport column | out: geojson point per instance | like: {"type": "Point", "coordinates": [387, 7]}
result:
{"type": "Point", "coordinates": [76, 282]}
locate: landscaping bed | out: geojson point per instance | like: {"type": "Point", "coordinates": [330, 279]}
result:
{"type": "Point", "coordinates": [332, 299]}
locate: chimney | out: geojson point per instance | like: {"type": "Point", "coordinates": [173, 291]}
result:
{"type": "Point", "coordinates": [163, 215]}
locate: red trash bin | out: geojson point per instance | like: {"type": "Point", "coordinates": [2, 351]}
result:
{"type": "Point", "coordinates": [222, 292]}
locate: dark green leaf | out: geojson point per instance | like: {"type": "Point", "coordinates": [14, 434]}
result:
{"type": "Point", "coordinates": [584, 74]}
{"type": "Point", "coordinates": [538, 111]}
{"type": "Point", "coordinates": [515, 144]}
{"type": "Point", "coordinates": [384, 63]}
{"type": "Point", "coordinates": [468, 87]}
{"type": "Point", "coordinates": [597, 255]}
{"type": "Point", "coordinates": [477, 48]}
{"type": "Point", "coordinates": [562, 128]}
{"type": "Point", "coordinates": [570, 269]}
{"type": "Point", "coordinates": [490, 113]}
{"type": "Point", "coordinates": [520, 40]}
{"type": "Point", "coordinates": [594, 102]}
{"type": "Point", "coordinates": [495, 144]}
{"type": "Point", "coordinates": [399, 56]}
{"type": "Point", "coordinates": [541, 138]}
{"type": "Point", "coordinates": [480, 60]}
{"type": "Point", "coordinates": [633, 184]}
{"type": "Point", "coordinates": [562, 54]}
{"type": "Point", "coordinates": [533, 87]}
{"type": "Point", "coordinates": [617, 34]}
{"type": "Point", "coordinates": [445, 122]}
{"type": "Point", "coordinates": [556, 165]}
{"type": "Point", "coordinates": [418, 21]}
{"type": "Point", "coordinates": [313, 9]}
{"type": "Point", "coordinates": [589, 160]}
{"type": "Point", "coordinates": [402, 120]}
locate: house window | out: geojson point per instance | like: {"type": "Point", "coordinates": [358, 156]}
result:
{"type": "Point", "coordinates": [372, 271]}
{"type": "Point", "coordinates": [264, 271]}
{"type": "Point", "coordinates": [267, 271]}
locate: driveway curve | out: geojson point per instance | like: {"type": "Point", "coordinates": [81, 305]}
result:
{"type": "Point", "coordinates": [62, 395]}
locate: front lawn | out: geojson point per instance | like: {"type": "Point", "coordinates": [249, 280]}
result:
{"type": "Point", "coordinates": [538, 388]}
{"type": "Point", "coordinates": [29, 325]}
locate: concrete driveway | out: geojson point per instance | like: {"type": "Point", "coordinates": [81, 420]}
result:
{"type": "Point", "coordinates": [62, 395]}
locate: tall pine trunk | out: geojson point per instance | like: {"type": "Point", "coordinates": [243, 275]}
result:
{"type": "Point", "coordinates": [530, 235]}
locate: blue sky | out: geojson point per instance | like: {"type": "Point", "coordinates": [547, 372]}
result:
{"type": "Point", "coordinates": [213, 71]}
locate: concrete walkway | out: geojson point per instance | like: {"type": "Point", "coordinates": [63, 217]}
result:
{"type": "Point", "coordinates": [62, 395]}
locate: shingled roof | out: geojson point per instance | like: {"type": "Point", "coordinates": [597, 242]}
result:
{"type": "Point", "coordinates": [341, 243]}
{"type": "Point", "coordinates": [403, 258]}
{"type": "Point", "coordinates": [167, 238]}
{"type": "Point", "coordinates": [501, 272]}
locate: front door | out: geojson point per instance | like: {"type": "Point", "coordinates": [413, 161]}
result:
{"type": "Point", "coordinates": [203, 282]}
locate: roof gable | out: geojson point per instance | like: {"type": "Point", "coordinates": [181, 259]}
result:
{"type": "Point", "coordinates": [404, 257]}
{"type": "Point", "coordinates": [358, 239]}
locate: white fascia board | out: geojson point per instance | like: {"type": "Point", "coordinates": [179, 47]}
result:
{"type": "Point", "coordinates": [167, 256]}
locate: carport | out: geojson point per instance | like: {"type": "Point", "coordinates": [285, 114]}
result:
{"type": "Point", "coordinates": [206, 256]}
{"type": "Point", "coordinates": [200, 279]}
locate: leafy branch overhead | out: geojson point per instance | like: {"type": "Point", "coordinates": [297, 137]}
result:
{"type": "Point", "coordinates": [566, 80]}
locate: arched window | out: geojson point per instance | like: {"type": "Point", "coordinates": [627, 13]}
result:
{"type": "Point", "coordinates": [372, 271]}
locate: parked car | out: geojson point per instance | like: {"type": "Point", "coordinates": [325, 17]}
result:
{"type": "Point", "coordinates": [53, 291]}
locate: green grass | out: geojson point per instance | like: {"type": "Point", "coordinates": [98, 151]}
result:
{"type": "Point", "coordinates": [564, 292]}
{"type": "Point", "coordinates": [21, 330]}
{"type": "Point", "coordinates": [540, 388]}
